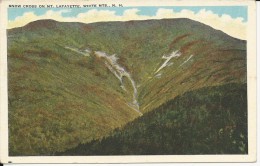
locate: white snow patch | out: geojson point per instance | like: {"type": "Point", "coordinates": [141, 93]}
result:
{"type": "Point", "coordinates": [159, 75]}
{"type": "Point", "coordinates": [186, 60]}
{"type": "Point", "coordinates": [167, 59]}
{"type": "Point", "coordinates": [120, 72]}
{"type": "Point", "coordinates": [77, 51]}
{"type": "Point", "coordinates": [87, 51]}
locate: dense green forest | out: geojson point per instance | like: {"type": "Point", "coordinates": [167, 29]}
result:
{"type": "Point", "coordinates": [210, 120]}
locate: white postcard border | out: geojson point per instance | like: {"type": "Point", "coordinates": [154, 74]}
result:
{"type": "Point", "coordinates": [251, 82]}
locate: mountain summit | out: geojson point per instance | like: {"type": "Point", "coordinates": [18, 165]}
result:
{"type": "Point", "coordinates": [72, 83]}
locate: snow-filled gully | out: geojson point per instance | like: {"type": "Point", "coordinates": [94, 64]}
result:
{"type": "Point", "coordinates": [120, 72]}
{"type": "Point", "coordinates": [86, 53]}
{"type": "Point", "coordinates": [117, 70]}
{"type": "Point", "coordinates": [167, 59]}
{"type": "Point", "coordinates": [168, 63]}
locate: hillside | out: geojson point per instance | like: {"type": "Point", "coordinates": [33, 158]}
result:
{"type": "Point", "coordinates": [71, 83]}
{"type": "Point", "coordinates": [210, 120]}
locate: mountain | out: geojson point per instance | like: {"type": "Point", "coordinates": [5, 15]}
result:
{"type": "Point", "coordinates": [210, 120]}
{"type": "Point", "coordinates": [71, 83]}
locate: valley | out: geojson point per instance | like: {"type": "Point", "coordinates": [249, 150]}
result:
{"type": "Point", "coordinates": [73, 85]}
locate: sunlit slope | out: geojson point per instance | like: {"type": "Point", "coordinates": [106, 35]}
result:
{"type": "Point", "coordinates": [61, 93]}
{"type": "Point", "coordinates": [216, 57]}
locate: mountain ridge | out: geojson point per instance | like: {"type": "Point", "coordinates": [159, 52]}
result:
{"type": "Point", "coordinates": [76, 93]}
{"type": "Point", "coordinates": [52, 23]}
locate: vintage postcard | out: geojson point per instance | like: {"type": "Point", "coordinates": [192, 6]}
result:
{"type": "Point", "coordinates": [128, 81]}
